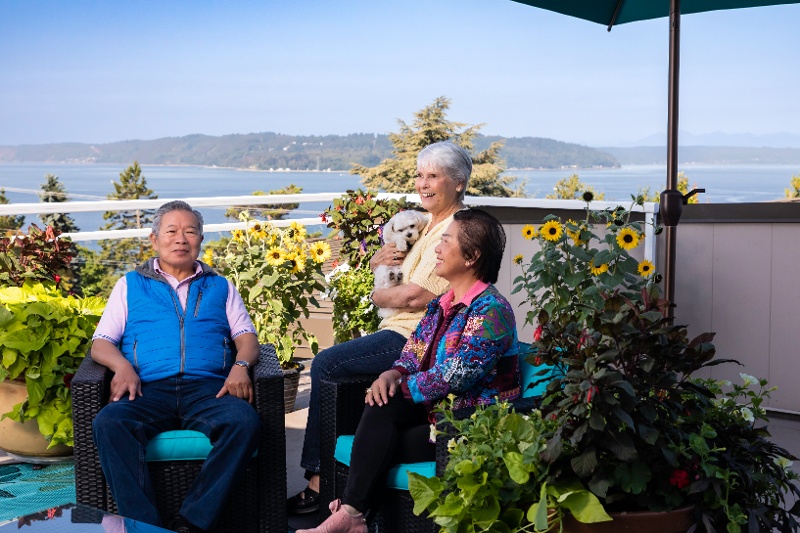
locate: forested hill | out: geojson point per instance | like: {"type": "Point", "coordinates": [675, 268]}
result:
{"type": "Point", "coordinates": [276, 151]}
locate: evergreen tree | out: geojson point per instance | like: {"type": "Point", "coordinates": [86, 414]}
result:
{"type": "Point", "coordinates": [9, 223]}
{"type": "Point", "coordinates": [54, 191]}
{"type": "Point", "coordinates": [122, 255]}
{"type": "Point", "coordinates": [572, 188]}
{"type": "Point", "coordinates": [398, 174]}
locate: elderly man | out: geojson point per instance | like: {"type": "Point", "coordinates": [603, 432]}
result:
{"type": "Point", "coordinates": [168, 334]}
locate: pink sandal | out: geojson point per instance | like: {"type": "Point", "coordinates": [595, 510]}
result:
{"type": "Point", "coordinates": [340, 521]}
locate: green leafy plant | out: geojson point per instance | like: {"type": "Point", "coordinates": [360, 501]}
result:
{"type": "Point", "coordinates": [356, 219]}
{"type": "Point", "coordinates": [496, 479]}
{"type": "Point", "coordinates": [632, 423]}
{"type": "Point", "coordinates": [44, 337]}
{"type": "Point", "coordinates": [277, 271]}
{"type": "Point", "coordinates": [353, 312]}
{"type": "Point", "coordinates": [39, 255]}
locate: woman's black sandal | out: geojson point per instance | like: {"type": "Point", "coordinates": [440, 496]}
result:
{"type": "Point", "coordinates": [304, 502]}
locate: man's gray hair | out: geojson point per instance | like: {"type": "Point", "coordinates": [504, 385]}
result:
{"type": "Point", "coordinates": [449, 158]}
{"type": "Point", "coordinates": [175, 205]}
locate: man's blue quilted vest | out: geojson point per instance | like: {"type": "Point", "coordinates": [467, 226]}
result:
{"type": "Point", "coordinates": [162, 340]}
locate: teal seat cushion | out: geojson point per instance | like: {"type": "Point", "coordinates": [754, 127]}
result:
{"type": "Point", "coordinates": [398, 474]}
{"type": "Point", "coordinates": [178, 445]}
{"type": "Point", "coordinates": [529, 373]}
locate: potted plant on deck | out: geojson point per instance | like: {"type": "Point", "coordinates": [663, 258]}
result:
{"type": "Point", "coordinates": [277, 271]}
{"type": "Point", "coordinates": [44, 336]}
{"type": "Point", "coordinates": [626, 418]}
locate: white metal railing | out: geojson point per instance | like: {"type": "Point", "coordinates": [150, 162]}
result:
{"type": "Point", "coordinates": [649, 209]}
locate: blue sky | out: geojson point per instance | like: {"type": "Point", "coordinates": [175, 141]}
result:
{"type": "Point", "coordinates": [87, 71]}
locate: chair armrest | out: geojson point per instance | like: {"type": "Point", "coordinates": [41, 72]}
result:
{"type": "Point", "coordinates": [89, 389]}
{"type": "Point", "coordinates": [341, 405]}
{"type": "Point", "coordinates": [268, 386]}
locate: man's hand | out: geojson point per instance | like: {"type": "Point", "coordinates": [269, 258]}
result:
{"type": "Point", "coordinates": [238, 384]}
{"type": "Point", "coordinates": [125, 381]}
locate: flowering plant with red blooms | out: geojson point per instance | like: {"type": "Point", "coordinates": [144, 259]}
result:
{"type": "Point", "coordinates": [633, 425]}
{"type": "Point", "coordinates": [356, 220]}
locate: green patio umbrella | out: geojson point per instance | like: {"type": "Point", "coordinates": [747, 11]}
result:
{"type": "Point", "coordinates": [613, 12]}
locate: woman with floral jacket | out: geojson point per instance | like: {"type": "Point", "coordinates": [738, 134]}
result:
{"type": "Point", "coordinates": [465, 345]}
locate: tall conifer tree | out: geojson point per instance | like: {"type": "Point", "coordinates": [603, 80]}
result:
{"type": "Point", "coordinates": [54, 191]}
{"type": "Point", "coordinates": [397, 174]}
{"type": "Point", "coordinates": [122, 255]}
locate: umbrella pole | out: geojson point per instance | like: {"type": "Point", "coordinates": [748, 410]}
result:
{"type": "Point", "coordinates": [671, 199]}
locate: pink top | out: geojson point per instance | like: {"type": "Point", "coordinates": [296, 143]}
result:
{"type": "Point", "coordinates": [446, 301]}
{"type": "Point", "coordinates": [115, 316]}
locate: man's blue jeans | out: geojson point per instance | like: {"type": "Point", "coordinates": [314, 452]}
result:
{"type": "Point", "coordinates": [370, 354]}
{"type": "Point", "coordinates": [122, 429]}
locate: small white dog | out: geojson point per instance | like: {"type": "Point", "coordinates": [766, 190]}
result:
{"type": "Point", "coordinates": [403, 229]}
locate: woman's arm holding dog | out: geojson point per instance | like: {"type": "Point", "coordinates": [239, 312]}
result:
{"type": "Point", "coordinates": [408, 296]}
{"type": "Point", "coordinates": [388, 255]}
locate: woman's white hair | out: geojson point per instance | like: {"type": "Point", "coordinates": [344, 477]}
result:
{"type": "Point", "coordinates": [450, 159]}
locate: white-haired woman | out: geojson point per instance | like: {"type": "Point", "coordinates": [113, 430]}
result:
{"type": "Point", "coordinates": [443, 172]}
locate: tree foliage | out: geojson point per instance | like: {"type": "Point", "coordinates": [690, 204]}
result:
{"type": "Point", "coordinates": [54, 191]}
{"type": "Point", "coordinates": [122, 255]}
{"type": "Point", "coordinates": [794, 192]}
{"type": "Point", "coordinates": [683, 187]}
{"type": "Point", "coordinates": [398, 173]}
{"type": "Point", "coordinates": [271, 212]}
{"type": "Point", "coordinates": [572, 188]}
{"type": "Point", "coordinates": [9, 223]}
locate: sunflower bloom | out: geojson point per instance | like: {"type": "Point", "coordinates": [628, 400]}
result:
{"type": "Point", "coordinates": [208, 257]}
{"type": "Point", "coordinates": [257, 231]}
{"type": "Point", "coordinates": [552, 230]}
{"type": "Point", "coordinates": [597, 270]}
{"type": "Point", "coordinates": [628, 239]}
{"type": "Point", "coordinates": [275, 256]}
{"type": "Point", "coordinates": [575, 235]}
{"type": "Point", "coordinates": [529, 231]}
{"type": "Point", "coordinates": [237, 235]}
{"type": "Point", "coordinates": [297, 262]}
{"type": "Point", "coordinates": [646, 268]}
{"type": "Point", "coordinates": [518, 259]}
{"type": "Point", "coordinates": [297, 231]}
{"type": "Point", "coordinates": [320, 251]}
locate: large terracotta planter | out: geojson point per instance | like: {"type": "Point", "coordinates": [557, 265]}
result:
{"type": "Point", "coordinates": [23, 439]}
{"type": "Point", "coordinates": [677, 521]}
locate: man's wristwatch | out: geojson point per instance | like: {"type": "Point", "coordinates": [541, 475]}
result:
{"type": "Point", "coordinates": [243, 363]}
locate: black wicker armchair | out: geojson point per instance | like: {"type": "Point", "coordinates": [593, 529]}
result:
{"type": "Point", "coordinates": [259, 500]}
{"type": "Point", "coordinates": [342, 404]}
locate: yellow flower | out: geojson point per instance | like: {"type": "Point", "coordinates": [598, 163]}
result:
{"type": "Point", "coordinates": [575, 235]}
{"type": "Point", "coordinates": [551, 230]}
{"type": "Point", "coordinates": [237, 235]}
{"type": "Point", "coordinates": [597, 270]}
{"type": "Point", "coordinates": [518, 259]}
{"type": "Point", "coordinates": [257, 231]}
{"type": "Point", "coordinates": [646, 268]}
{"type": "Point", "coordinates": [298, 262]}
{"type": "Point", "coordinates": [297, 231]}
{"type": "Point", "coordinates": [275, 256]}
{"type": "Point", "coordinates": [320, 251]}
{"type": "Point", "coordinates": [628, 239]}
{"type": "Point", "coordinates": [528, 231]}
{"type": "Point", "coordinates": [208, 257]}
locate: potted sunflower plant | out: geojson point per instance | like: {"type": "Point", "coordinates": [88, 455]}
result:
{"type": "Point", "coordinates": [632, 422]}
{"type": "Point", "coordinates": [277, 270]}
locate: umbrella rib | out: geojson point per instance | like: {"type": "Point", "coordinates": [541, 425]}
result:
{"type": "Point", "coordinates": [616, 13]}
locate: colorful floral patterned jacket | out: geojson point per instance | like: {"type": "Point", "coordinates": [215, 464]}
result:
{"type": "Point", "coordinates": [476, 358]}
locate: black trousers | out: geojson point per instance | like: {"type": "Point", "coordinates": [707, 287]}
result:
{"type": "Point", "coordinates": [398, 432]}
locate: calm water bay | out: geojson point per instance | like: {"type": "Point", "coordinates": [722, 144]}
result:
{"type": "Point", "coordinates": [723, 184]}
